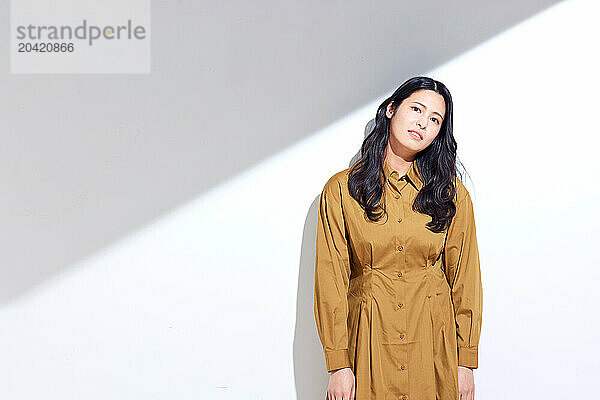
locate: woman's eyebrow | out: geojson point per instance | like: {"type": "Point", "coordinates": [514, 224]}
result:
{"type": "Point", "coordinates": [435, 112]}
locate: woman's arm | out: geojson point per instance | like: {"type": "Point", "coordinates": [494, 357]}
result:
{"type": "Point", "coordinates": [332, 275]}
{"type": "Point", "coordinates": [461, 262]}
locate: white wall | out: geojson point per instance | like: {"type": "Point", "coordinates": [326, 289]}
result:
{"type": "Point", "coordinates": [158, 230]}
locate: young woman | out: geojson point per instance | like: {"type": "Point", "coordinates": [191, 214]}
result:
{"type": "Point", "coordinates": [398, 294]}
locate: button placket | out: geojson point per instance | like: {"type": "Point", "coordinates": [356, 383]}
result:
{"type": "Point", "coordinates": [400, 210]}
{"type": "Point", "coordinates": [403, 356]}
{"type": "Point", "coordinates": [397, 214]}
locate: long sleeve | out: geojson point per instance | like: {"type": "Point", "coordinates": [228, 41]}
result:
{"type": "Point", "coordinates": [461, 261]}
{"type": "Point", "coordinates": [332, 274]}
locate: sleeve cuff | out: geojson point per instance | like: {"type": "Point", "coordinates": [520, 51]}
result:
{"type": "Point", "coordinates": [467, 357]}
{"type": "Point", "coordinates": [336, 359]}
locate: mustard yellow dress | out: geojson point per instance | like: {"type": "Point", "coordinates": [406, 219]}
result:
{"type": "Point", "coordinates": [397, 303]}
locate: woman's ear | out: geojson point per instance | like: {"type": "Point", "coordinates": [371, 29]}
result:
{"type": "Point", "coordinates": [388, 111]}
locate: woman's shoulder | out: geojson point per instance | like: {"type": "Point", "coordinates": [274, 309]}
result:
{"type": "Point", "coordinates": [462, 193]}
{"type": "Point", "coordinates": [337, 181]}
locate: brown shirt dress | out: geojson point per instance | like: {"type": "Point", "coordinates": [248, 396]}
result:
{"type": "Point", "coordinates": [397, 303]}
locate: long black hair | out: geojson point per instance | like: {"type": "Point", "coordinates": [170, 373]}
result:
{"type": "Point", "coordinates": [436, 163]}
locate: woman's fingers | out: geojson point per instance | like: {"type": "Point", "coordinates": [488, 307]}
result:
{"type": "Point", "coordinates": [467, 394]}
{"type": "Point", "coordinates": [341, 385]}
{"type": "Point", "coordinates": [338, 396]}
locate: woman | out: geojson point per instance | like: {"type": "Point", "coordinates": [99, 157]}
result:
{"type": "Point", "coordinates": [398, 294]}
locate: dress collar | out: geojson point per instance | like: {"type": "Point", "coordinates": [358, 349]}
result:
{"type": "Point", "coordinates": [412, 174]}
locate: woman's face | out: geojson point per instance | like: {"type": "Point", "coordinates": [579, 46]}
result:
{"type": "Point", "coordinates": [416, 122]}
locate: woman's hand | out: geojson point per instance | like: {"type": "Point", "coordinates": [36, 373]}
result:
{"type": "Point", "coordinates": [341, 385]}
{"type": "Point", "coordinates": [466, 384]}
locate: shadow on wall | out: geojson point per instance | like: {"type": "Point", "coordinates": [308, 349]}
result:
{"type": "Point", "coordinates": [310, 373]}
{"type": "Point", "coordinates": [83, 172]}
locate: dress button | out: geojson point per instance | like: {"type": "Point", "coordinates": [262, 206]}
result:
{"type": "Point", "coordinates": [399, 219]}
{"type": "Point", "coordinates": [396, 196]}
{"type": "Point", "coordinates": [402, 367]}
{"type": "Point", "coordinates": [400, 248]}
{"type": "Point", "coordinates": [400, 305]}
{"type": "Point", "coordinates": [404, 397]}
{"type": "Point", "coordinates": [402, 336]}
{"type": "Point", "coordinates": [399, 274]}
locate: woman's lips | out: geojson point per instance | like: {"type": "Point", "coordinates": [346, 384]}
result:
{"type": "Point", "coordinates": [415, 134]}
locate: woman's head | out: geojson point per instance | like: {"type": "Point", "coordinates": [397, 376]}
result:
{"type": "Point", "coordinates": [415, 121]}
{"type": "Point", "coordinates": [422, 105]}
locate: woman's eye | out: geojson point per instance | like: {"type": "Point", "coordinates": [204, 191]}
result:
{"type": "Point", "coordinates": [436, 120]}
{"type": "Point", "coordinates": [415, 108]}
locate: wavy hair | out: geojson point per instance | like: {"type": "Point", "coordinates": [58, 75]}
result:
{"type": "Point", "coordinates": [436, 163]}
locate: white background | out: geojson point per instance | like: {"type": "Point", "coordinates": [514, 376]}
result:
{"type": "Point", "coordinates": [157, 231]}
